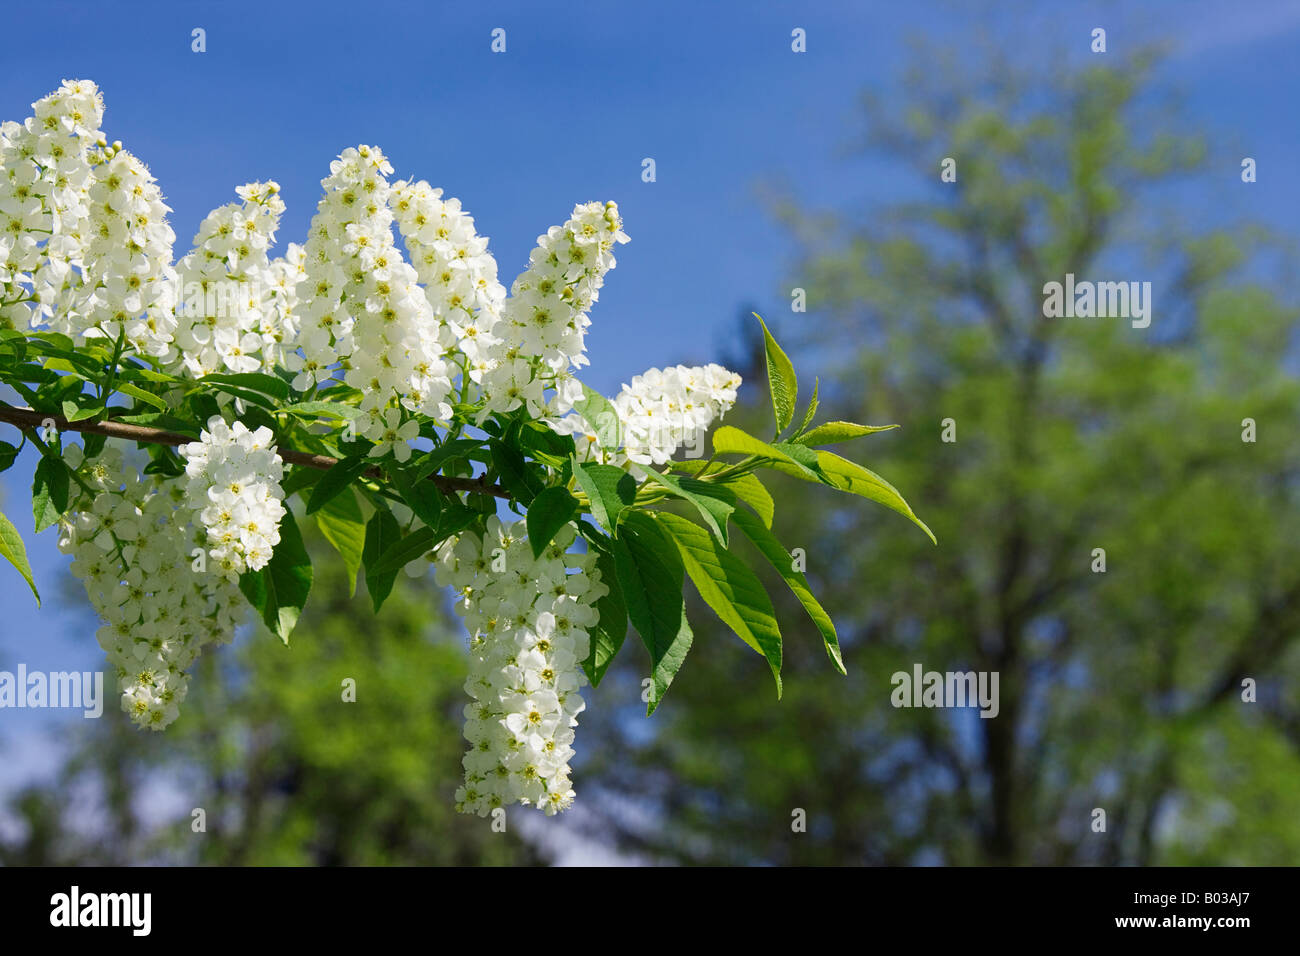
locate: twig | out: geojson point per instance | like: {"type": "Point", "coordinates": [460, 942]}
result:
{"type": "Point", "coordinates": [29, 418]}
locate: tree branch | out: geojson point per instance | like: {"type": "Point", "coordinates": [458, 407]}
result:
{"type": "Point", "coordinates": [29, 418]}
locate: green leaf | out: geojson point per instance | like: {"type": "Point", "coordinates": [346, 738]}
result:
{"type": "Point", "coordinates": [148, 375]}
{"type": "Point", "coordinates": [55, 391]}
{"type": "Point", "coordinates": [650, 576]}
{"type": "Point", "coordinates": [538, 437]}
{"type": "Point", "coordinates": [851, 477]}
{"type": "Point", "coordinates": [8, 454]}
{"type": "Point", "coordinates": [610, 629]}
{"type": "Point", "coordinates": [126, 388]}
{"type": "Point", "coordinates": [161, 420]}
{"type": "Point", "coordinates": [455, 520]}
{"type": "Point", "coordinates": [609, 490]}
{"type": "Point", "coordinates": [85, 364]}
{"type": "Point", "coordinates": [601, 416]}
{"type": "Point", "coordinates": [382, 532]}
{"type": "Point", "coordinates": [49, 491]}
{"type": "Point", "coordinates": [93, 445]}
{"type": "Point", "coordinates": [452, 450]}
{"type": "Point", "coordinates": [775, 552]}
{"type": "Point", "coordinates": [801, 454]}
{"type": "Point", "coordinates": [403, 551]}
{"type": "Point", "coordinates": [13, 550]}
{"type": "Point", "coordinates": [812, 408]}
{"type": "Point", "coordinates": [730, 588]}
{"type": "Point", "coordinates": [420, 496]}
{"type": "Point", "coordinates": [279, 591]}
{"type": "Point", "coordinates": [323, 410]}
{"type": "Point", "coordinates": [344, 526]}
{"type": "Point", "coordinates": [745, 486]}
{"type": "Point", "coordinates": [731, 440]}
{"type": "Point", "coordinates": [844, 475]}
{"type": "Point", "coordinates": [829, 433]}
{"type": "Point", "coordinates": [75, 413]}
{"type": "Point", "coordinates": [299, 478]}
{"type": "Point", "coordinates": [339, 477]}
{"type": "Point", "coordinates": [63, 365]}
{"type": "Point", "coordinates": [751, 491]}
{"type": "Point", "coordinates": [220, 383]}
{"type": "Point", "coordinates": [257, 381]}
{"type": "Point", "coordinates": [714, 502]}
{"type": "Point", "coordinates": [516, 477]}
{"type": "Point", "coordinates": [550, 511]}
{"type": "Point", "coordinates": [781, 379]}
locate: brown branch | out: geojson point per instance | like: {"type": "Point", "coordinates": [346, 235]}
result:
{"type": "Point", "coordinates": [29, 418]}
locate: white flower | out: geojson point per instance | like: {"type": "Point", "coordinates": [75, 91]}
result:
{"type": "Point", "coordinates": [544, 322]}
{"type": "Point", "coordinates": [361, 303]}
{"type": "Point", "coordinates": [84, 230]}
{"type": "Point", "coordinates": [657, 413]}
{"type": "Point", "coordinates": [525, 663]}
{"type": "Point", "coordinates": [236, 306]}
{"type": "Point", "coordinates": [234, 490]}
{"type": "Point", "coordinates": [394, 436]}
{"type": "Point", "coordinates": [131, 549]}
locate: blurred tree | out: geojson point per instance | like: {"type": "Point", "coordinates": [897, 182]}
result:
{"type": "Point", "coordinates": [1119, 690]}
{"type": "Point", "coordinates": [285, 770]}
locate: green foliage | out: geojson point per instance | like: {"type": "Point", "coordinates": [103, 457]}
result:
{"type": "Point", "coordinates": [382, 533]}
{"type": "Point", "coordinates": [279, 591]}
{"type": "Point", "coordinates": [14, 551]}
{"type": "Point", "coordinates": [713, 502]}
{"type": "Point", "coordinates": [732, 590]}
{"type": "Point", "coordinates": [832, 433]}
{"type": "Point", "coordinates": [650, 578]}
{"type": "Point", "coordinates": [1121, 690]}
{"type": "Point", "coordinates": [608, 489]}
{"type": "Point", "coordinates": [381, 514]}
{"type": "Point", "coordinates": [49, 491]}
{"type": "Point", "coordinates": [780, 558]}
{"type": "Point", "coordinates": [610, 630]}
{"type": "Point", "coordinates": [781, 380]}
{"type": "Point", "coordinates": [337, 480]}
{"type": "Point", "coordinates": [406, 549]}
{"type": "Point", "coordinates": [853, 478]}
{"type": "Point", "coordinates": [551, 510]}
{"type": "Point", "coordinates": [601, 415]}
{"type": "Point", "coordinates": [344, 526]}
{"type": "Point", "coordinates": [8, 454]}
{"type": "Point", "coordinates": [419, 495]}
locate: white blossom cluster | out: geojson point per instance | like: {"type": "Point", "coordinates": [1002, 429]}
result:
{"type": "Point", "coordinates": [362, 303]}
{"type": "Point", "coordinates": [85, 250]}
{"type": "Point", "coordinates": [157, 612]}
{"type": "Point", "coordinates": [234, 490]}
{"type": "Point", "coordinates": [84, 242]}
{"type": "Point", "coordinates": [658, 413]}
{"type": "Point", "coordinates": [236, 304]}
{"type": "Point", "coordinates": [458, 272]}
{"type": "Point", "coordinates": [127, 259]}
{"type": "Point", "coordinates": [529, 622]}
{"type": "Point", "coordinates": [545, 319]}
{"type": "Point", "coordinates": [44, 184]}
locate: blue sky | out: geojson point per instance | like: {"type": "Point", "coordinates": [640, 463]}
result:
{"type": "Point", "coordinates": [582, 94]}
